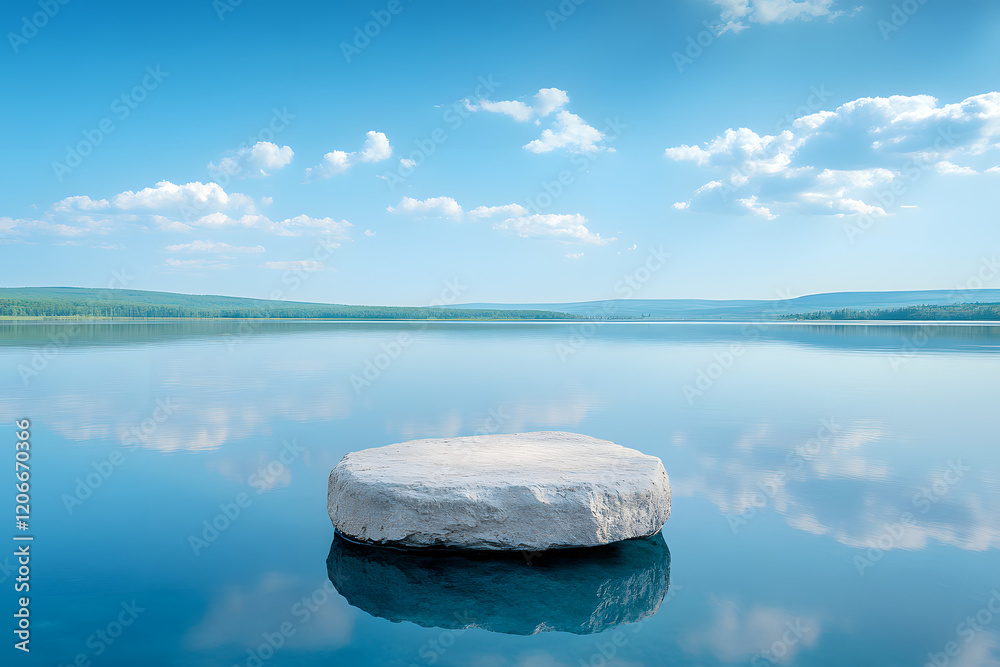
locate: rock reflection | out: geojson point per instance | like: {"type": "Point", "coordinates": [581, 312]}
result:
{"type": "Point", "coordinates": [581, 591]}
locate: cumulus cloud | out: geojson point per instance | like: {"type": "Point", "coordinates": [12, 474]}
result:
{"type": "Point", "coordinates": [195, 195]}
{"type": "Point", "coordinates": [841, 162]}
{"type": "Point", "coordinates": [260, 159]}
{"type": "Point", "coordinates": [546, 101]}
{"type": "Point", "coordinates": [489, 211]}
{"type": "Point", "coordinates": [568, 131]}
{"type": "Point", "coordinates": [946, 167]}
{"type": "Point", "coordinates": [513, 218]}
{"type": "Point", "coordinates": [444, 207]}
{"type": "Point", "coordinates": [168, 207]}
{"type": "Point", "coordinates": [571, 133]}
{"type": "Point", "coordinates": [566, 227]}
{"type": "Point", "coordinates": [737, 14]}
{"type": "Point", "coordinates": [375, 149]}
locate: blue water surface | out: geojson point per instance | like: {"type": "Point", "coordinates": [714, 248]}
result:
{"type": "Point", "coordinates": [836, 493]}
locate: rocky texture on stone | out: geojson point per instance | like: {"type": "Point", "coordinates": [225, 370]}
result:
{"type": "Point", "coordinates": [521, 491]}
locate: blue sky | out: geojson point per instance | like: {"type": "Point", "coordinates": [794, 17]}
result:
{"type": "Point", "coordinates": [770, 148]}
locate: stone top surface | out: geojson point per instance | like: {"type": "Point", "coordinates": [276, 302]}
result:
{"type": "Point", "coordinates": [524, 459]}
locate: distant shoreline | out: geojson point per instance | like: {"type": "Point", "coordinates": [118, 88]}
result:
{"type": "Point", "coordinates": [85, 319]}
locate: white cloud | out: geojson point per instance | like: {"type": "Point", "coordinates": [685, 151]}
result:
{"type": "Point", "coordinates": [566, 227]}
{"type": "Point", "coordinates": [78, 226]}
{"type": "Point", "coordinates": [209, 246]}
{"type": "Point", "coordinates": [407, 163]}
{"type": "Point", "coordinates": [547, 100]}
{"type": "Point", "coordinates": [736, 14]}
{"type": "Point", "coordinates": [287, 227]}
{"type": "Point", "coordinates": [516, 218]}
{"type": "Point", "coordinates": [195, 195]}
{"type": "Point", "coordinates": [257, 160]}
{"type": "Point", "coordinates": [574, 255]}
{"type": "Point", "coordinates": [839, 162]}
{"type": "Point", "coordinates": [167, 207]}
{"type": "Point", "coordinates": [946, 167]}
{"type": "Point", "coordinates": [369, 232]}
{"type": "Point", "coordinates": [375, 149]}
{"type": "Point", "coordinates": [568, 131]}
{"type": "Point", "coordinates": [488, 211]}
{"type": "Point", "coordinates": [571, 133]}
{"type": "Point", "coordinates": [444, 207]}
{"type": "Point", "coordinates": [751, 205]}
{"type": "Point", "coordinates": [993, 170]}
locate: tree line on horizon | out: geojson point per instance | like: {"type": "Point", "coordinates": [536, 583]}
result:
{"type": "Point", "coordinates": [61, 307]}
{"type": "Point", "coordinates": [957, 311]}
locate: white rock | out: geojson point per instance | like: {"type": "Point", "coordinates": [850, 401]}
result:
{"type": "Point", "coordinates": [526, 491]}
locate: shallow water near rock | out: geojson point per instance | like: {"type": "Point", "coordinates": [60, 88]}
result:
{"type": "Point", "coordinates": [842, 481]}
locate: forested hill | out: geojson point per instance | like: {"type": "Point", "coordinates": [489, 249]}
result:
{"type": "Point", "coordinates": [956, 312]}
{"type": "Point", "coordinates": [88, 302]}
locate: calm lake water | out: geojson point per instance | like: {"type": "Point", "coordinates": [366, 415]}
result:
{"type": "Point", "coordinates": [836, 493]}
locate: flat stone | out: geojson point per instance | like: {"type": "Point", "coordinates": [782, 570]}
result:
{"type": "Point", "coordinates": [521, 491]}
